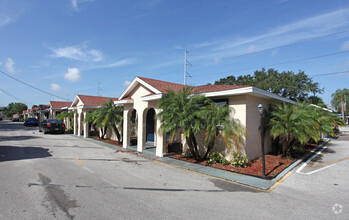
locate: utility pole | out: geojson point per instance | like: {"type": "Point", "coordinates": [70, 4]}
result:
{"type": "Point", "coordinates": [186, 63]}
{"type": "Point", "coordinates": [98, 88]}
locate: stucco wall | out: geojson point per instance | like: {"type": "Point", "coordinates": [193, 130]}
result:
{"type": "Point", "coordinates": [244, 109]}
{"type": "Point", "coordinates": [253, 142]}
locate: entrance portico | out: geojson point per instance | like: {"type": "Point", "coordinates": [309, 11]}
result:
{"type": "Point", "coordinates": [82, 105]}
{"type": "Point", "coordinates": [141, 98]}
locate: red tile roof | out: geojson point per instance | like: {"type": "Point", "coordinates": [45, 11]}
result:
{"type": "Point", "coordinates": [162, 86]}
{"type": "Point", "coordinates": [215, 88]}
{"type": "Point", "coordinates": [43, 107]}
{"type": "Point", "coordinates": [95, 100]}
{"type": "Point", "coordinates": [59, 104]}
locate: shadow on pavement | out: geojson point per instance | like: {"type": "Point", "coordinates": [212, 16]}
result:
{"type": "Point", "coordinates": [8, 153]}
{"type": "Point", "coordinates": [320, 157]}
{"type": "Point", "coordinates": [17, 138]}
{"type": "Point", "coordinates": [15, 126]}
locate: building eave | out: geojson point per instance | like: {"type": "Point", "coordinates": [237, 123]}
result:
{"type": "Point", "coordinates": [152, 97]}
{"type": "Point", "coordinates": [248, 90]}
{"type": "Point", "coordinates": [125, 101]}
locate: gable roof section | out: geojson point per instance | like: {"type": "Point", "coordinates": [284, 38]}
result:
{"type": "Point", "coordinates": [59, 104]}
{"type": "Point", "coordinates": [154, 85]}
{"type": "Point", "coordinates": [92, 101]}
{"type": "Point", "coordinates": [159, 88]}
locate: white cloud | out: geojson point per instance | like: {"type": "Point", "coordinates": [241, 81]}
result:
{"type": "Point", "coordinates": [4, 20]}
{"type": "Point", "coordinates": [73, 75]}
{"type": "Point", "coordinates": [251, 49]}
{"type": "Point", "coordinates": [274, 52]}
{"type": "Point", "coordinates": [345, 45]}
{"type": "Point", "coordinates": [304, 29]}
{"type": "Point", "coordinates": [75, 3]}
{"type": "Point", "coordinates": [81, 53]}
{"type": "Point", "coordinates": [55, 87]}
{"type": "Point", "coordinates": [126, 83]}
{"type": "Point", "coordinates": [121, 63]}
{"type": "Point", "coordinates": [10, 65]}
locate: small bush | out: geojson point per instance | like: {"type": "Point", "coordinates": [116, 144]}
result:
{"type": "Point", "coordinates": [224, 161]}
{"type": "Point", "coordinates": [187, 153]}
{"type": "Point", "coordinates": [239, 160]}
{"type": "Point", "coordinates": [215, 157]}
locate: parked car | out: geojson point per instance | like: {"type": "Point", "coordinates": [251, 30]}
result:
{"type": "Point", "coordinates": [31, 122]}
{"type": "Point", "coordinates": [52, 126]}
{"type": "Point", "coordinates": [15, 119]}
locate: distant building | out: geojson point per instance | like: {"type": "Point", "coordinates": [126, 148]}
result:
{"type": "Point", "coordinates": [1, 112]}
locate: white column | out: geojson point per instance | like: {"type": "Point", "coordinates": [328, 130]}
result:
{"type": "Point", "coordinates": [140, 131]}
{"type": "Point", "coordinates": [126, 129]}
{"type": "Point", "coordinates": [86, 131]}
{"type": "Point", "coordinates": [160, 139]}
{"type": "Point", "coordinates": [79, 124]}
{"type": "Point", "coordinates": [75, 123]}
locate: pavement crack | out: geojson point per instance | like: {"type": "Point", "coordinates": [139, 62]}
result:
{"type": "Point", "coordinates": [48, 186]}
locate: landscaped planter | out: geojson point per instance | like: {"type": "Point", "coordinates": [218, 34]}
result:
{"type": "Point", "coordinates": [274, 165]}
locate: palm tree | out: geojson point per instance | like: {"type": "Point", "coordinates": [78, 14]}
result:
{"type": "Point", "coordinates": [218, 121]}
{"type": "Point", "coordinates": [339, 99]}
{"type": "Point", "coordinates": [106, 116]}
{"type": "Point", "coordinates": [92, 118]}
{"type": "Point", "coordinates": [110, 115]}
{"type": "Point", "coordinates": [293, 122]}
{"type": "Point", "coordinates": [180, 111]}
{"type": "Point", "coordinates": [327, 120]}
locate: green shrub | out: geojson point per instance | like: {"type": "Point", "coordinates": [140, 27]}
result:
{"type": "Point", "coordinates": [239, 160]}
{"type": "Point", "coordinates": [215, 157]}
{"type": "Point", "coordinates": [187, 153]}
{"type": "Point", "coordinates": [224, 161]}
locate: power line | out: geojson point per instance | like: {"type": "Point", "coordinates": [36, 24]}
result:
{"type": "Point", "coordinates": [286, 62]}
{"type": "Point", "coordinates": [32, 86]}
{"type": "Point", "coordinates": [15, 97]}
{"type": "Point", "coordinates": [278, 47]}
{"type": "Point", "coordinates": [327, 74]}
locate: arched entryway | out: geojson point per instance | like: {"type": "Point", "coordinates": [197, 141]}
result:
{"type": "Point", "coordinates": [150, 128]}
{"type": "Point", "coordinates": [133, 127]}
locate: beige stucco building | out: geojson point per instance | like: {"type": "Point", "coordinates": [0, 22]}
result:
{"type": "Point", "coordinates": [82, 105]}
{"type": "Point", "coordinates": [141, 97]}
{"type": "Point", "coordinates": [56, 107]}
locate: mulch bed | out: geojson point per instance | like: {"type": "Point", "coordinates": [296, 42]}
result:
{"type": "Point", "coordinates": [274, 164]}
{"type": "Point", "coordinates": [114, 142]}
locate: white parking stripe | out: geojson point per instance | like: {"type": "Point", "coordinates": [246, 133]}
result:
{"type": "Point", "coordinates": [309, 160]}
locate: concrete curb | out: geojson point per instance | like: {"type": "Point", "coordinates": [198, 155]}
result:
{"type": "Point", "coordinates": [247, 180]}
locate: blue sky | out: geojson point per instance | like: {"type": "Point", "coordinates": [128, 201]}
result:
{"type": "Point", "coordinates": [67, 47]}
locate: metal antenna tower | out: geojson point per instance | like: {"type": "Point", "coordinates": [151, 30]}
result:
{"type": "Point", "coordinates": [186, 63]}
{"type": "Point", "coordinates": [98, 88]}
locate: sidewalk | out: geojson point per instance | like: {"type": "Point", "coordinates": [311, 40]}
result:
{"type": "Point", "coordinates": [344, 129]}
{"type": "Point", "coordinates": [251, 181]}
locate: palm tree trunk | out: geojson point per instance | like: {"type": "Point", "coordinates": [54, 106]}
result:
{"type": "Point", "coordinates": [343, 108]}
{"type": "Point", "coordinates": [195, 146]}
{"type": "Point", "coordinates": [209, 148]}
{"type": "Point", "coordinates": [285, 147]}
{"type": "Point", "coordinates": [117, 133]}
